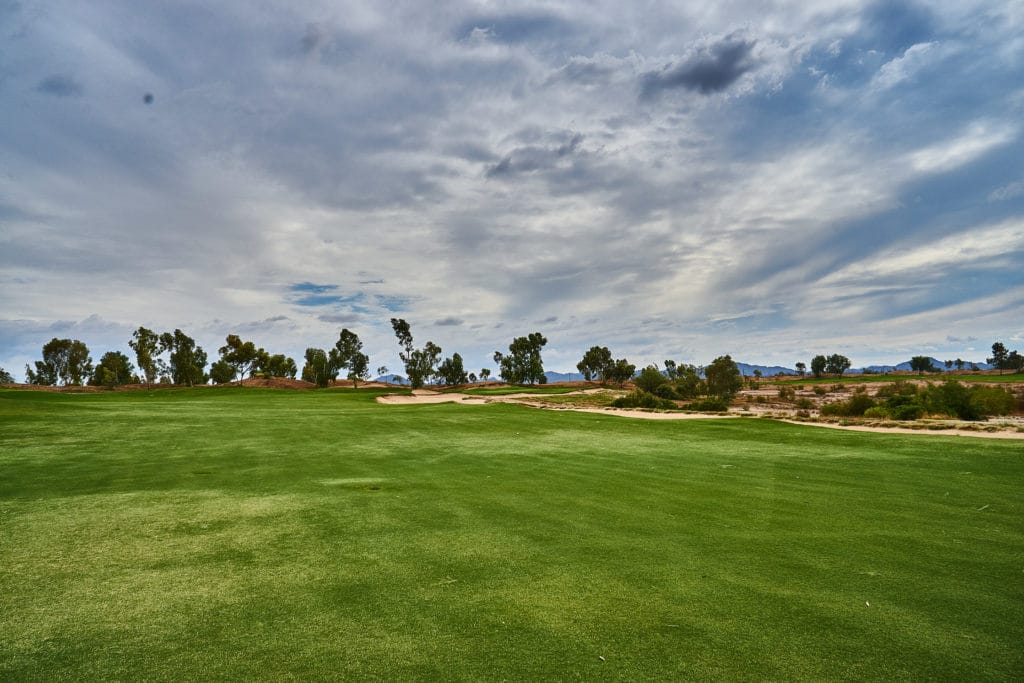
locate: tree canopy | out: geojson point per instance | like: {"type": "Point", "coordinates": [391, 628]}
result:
{"type": "Point", "coordinates": [723, 378]}
{"type": "Point", "coordinates": [420, 364]}
{"type": "Point", "coordinates": [65, 361]}
{"type": "Point", "coordinates": [187, 360]}
{"type": "Point", "coordinates": [523, 363]}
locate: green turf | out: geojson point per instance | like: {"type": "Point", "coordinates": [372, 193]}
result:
{"type": "Point", "coordinates": [237, 534]}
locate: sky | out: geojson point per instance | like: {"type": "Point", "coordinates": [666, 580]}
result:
{"type": "Point", "coordinates": [668, 179]}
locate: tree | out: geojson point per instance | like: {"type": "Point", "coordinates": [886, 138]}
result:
{"type": "Point", "coordinates": [620, 372]}
{"type": "Point", "coordinates": [188, 361]}
{"type": "Point", "coordinates": [358, 368]}
{"type": "Point", "coordinates": [65, 361]}
{"type": "Point", "coordinates": [671, 370]}
{"type": "Point", "coordinates": [113, 370]}
{"type": "Point", "coordinates": [689, 384]}
{"type": "Point", "coordinates": [649, 379]}
{"type": "Point", "coordinates": [420, 364]}
{"type": "Point", "coordinates": [801, 368]}
{"type": "Point", "coordinates": [485, 374]}
{"type": "Point", "coordinates": [999, 356]}
{"type": "Point", "coordinates": [837, 364]}
{"type": "Point", "coordinates": [723, 378]}
{"type": "Point", "coordinates": [348, 353]}
{"type": "Point", "coordinates": [382, 371]}
{"type": "Point", "coordinates": [818, 365]}
{"type": "Point", "coordinates": [146, 344]}
{"type": "Point", "coordinates": [596, 363]}
{"type": "Point", "coordinates": [949, 364]}
{"type": "Point", "coordinates": [1015, 361]}
{"type": "Point", "coordinates": [922, 364]}
{"type": "Point", "coordinates": [523, 363]}
{"type": "Point", "coordinates": [244, 356]}
{"type": "Point", "coordinates": [319, 368]}
{"type": "Point", "coordinates": [279, 365]}
{"type": "Point", "coordinates": [959, 364]}
{"type": "Point", "coordinates": [222, 372]}
{"type": "Point", "coordinates": [472, 378]}
{"type": "Point", "coordinates": [451, 371]}
{"type": "Point", "coordinates": [6, 377]}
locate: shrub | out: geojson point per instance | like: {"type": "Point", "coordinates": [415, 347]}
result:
{"type": "Point", "coordinates": [907, 411]}
{"type": "Point", "coordinates": [786, 393]}
{"type": "Point", "coordinates": [643, 399]}
{"type": "Point", "coordinates": [877, 412]}
{"type": "Point", "coordinates": [708, 405]}
{"type": "Point", "coordinates": [665, 391]}
{"type": "Point", "coordinates": [804, 403]}
{"type": "Point", "coordinates": [852, 407]}
{"type": "Point", "coordinates": [820, 391]}
{"type": "Point", "coordinates": [991, 400]}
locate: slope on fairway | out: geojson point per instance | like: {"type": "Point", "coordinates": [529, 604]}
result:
{"type": "Point", "coordinates": [244, 533]}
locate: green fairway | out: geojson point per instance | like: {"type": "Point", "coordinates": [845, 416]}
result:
{"type": "Point", "coordinates": [237, 533]}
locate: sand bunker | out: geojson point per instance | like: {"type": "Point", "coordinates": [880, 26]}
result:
{"type": "Point", "coordinates": [425, 396]}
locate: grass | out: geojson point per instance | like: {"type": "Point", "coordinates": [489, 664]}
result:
{"type": "Point", "coordinates": [238, 534]}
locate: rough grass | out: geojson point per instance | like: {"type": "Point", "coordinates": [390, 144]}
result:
{"type": "Point", "coordinates": [239, 534]}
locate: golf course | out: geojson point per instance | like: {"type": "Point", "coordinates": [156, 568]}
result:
{"type": "Point", "coordinates": [236, 533]}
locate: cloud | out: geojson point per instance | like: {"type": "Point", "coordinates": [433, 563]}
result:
{"type": "Point", "coordinates": [905, 66]}
{"type": "Point", "coordinates": [979, 139]}
{"type": "Point", "coordinates": [449, 322]}
{"type": "Point", "coordinates": [532, 158]}
{"type": "Point", "coordinates": [60, 85]}
{"type": "Point", "coordinates": [1006, 192]}
{"type": "Point", "coordinates": [515, 27]}
{"type": "Point", "coordinates": [707, 69]}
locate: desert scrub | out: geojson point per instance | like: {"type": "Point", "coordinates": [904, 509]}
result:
{"type": "Point", "coordinates": [643, 399]}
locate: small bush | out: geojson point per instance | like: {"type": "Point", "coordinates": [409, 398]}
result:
{"type": "Point", "coordinates": [786, 393]}
{"type": "Point", "coordinates": [907, 411]}
{"type": "Point", "coordinates": [804, 403]}
{"type": "Point", "coordinates": [877, 412]}
{"type": "Point", "coordinates": [665, 391]}
{"type": "Point", "coordinates": [851, 407]}
{"type": "Point", "coordinates": [643, 399]}
{"type": "Point", "coordinates": [820, 391]}
{"type": "Point", "coordinates": [708, 405]}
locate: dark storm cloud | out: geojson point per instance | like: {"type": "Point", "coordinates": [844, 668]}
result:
{"type": "Point", "coordinates": [60, 85]}
{"type": "Point", "coordinates": [583, 71]}
{"type": "Point", "coordinates": [534, 158]}
{"type": "Point", "coordinates": [709, 69]}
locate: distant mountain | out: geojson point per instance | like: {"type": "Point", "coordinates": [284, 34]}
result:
{"type": "Point", "coordinates": [563, 377]}
{"type": "Point", "coordinates": [905, 366]}
{"type": "Point", "coordinates": [391, 379]}
{"type": "Point", "coordinates": [747, 370]}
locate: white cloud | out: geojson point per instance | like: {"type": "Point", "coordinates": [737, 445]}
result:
{"type": "Point", "coordinates": [905, 66]}
{"type": "Point", "coordinates": [1008, 191]}
{"type": "Point", "coordinates": [979, 139]}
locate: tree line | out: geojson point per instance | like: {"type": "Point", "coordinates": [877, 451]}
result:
{"type": "Point", "coordinates": [176, 358]}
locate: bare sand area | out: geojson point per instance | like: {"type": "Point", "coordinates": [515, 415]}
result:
{"type": "Point", "coordinates": [424, 396]}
